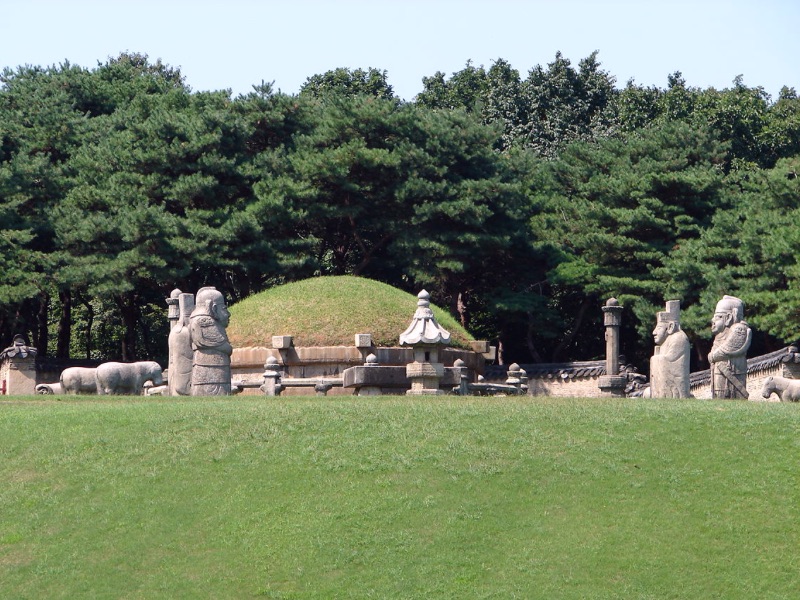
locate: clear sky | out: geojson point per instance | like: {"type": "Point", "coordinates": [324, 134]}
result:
{"type": "Point", "coordinates": [235, 44]}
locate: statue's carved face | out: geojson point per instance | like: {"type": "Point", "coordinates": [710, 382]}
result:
{"type": "Point", "coordinates": [719, 322]}
{"type": "Point", "coordinates": [221, 312]}
{"type": "Point", "coordinates": [660, 333]}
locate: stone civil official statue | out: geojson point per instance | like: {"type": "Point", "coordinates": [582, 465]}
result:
{"type": "Point", "coordinates": [669, 366]}
{"type": "Point", "coordinates": [728, 356]}
{"type": "Point", "coordinates": [181, 355]}
{"type": "Point", "coordinates": [211, 367]}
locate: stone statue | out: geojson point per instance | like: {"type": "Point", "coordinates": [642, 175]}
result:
{"type": "Point", "coordinates": [669, 366]}
{"type": "Point", "coordinates": [78, 380]}
{"type": "Point", "coordinates": [728, 356]}
{"type": "Point", "coordinates": [211, 367]}
{"type": "Point", "coordinates": [126, 378]}
{"type": "Point", "coordinates": [181, 355]}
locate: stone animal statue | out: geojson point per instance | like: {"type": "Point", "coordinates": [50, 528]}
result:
{"type": "Point", "coordinates": [127, 378]}
{"type": "Point", "coordinates": [788, 390]}
{"type": "Point", "coordinates": [78, 380]}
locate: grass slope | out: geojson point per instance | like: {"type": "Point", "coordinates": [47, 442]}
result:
{"type": "Point", "coordinates": [398, 498]}
{"type": "Point", "coordinates": [329, 311]}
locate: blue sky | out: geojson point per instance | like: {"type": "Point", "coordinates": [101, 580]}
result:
{"type": "Point", "coordinates": [238, 43]}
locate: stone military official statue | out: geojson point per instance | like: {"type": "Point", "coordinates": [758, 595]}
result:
{"type": "Point", "coordinates": [669, 366]}
{"type": "Point", "coordinates": [211, 367]}
{"type": "Point", "coordinates": [728, 356]}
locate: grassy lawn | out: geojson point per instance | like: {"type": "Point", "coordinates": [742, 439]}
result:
{"type": "Point", "coordinates": [399, 498]}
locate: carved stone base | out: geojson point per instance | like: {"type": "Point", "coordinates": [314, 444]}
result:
{"type": "Point", "coordinates": [425, 378]}
{"type": "Point", "coordinates": [424, 392]}
{"type": "Point", "coordinates": [613, 385]}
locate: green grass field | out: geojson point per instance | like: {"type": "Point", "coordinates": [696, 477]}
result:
{"type": "Point", "coordinates": [399, 498]}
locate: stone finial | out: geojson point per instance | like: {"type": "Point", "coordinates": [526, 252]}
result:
{"type": "Point", "coordinates": [424, 328]}
{"type": "Point", "coordinates": [172, 303]}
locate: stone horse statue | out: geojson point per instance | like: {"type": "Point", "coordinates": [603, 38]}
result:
{"type": "Point", "coordinates": [788, 390]}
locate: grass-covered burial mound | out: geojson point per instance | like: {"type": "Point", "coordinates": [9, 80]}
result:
{"type": "Point", "coordinates": [329, 311]}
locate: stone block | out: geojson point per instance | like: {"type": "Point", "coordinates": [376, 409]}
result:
{"type": "Point", "coordinates": [363, 340]}
{"type": "Point", "coordinates": [281, 342]}
{"type": "Point", "coordinates": [479, 346]}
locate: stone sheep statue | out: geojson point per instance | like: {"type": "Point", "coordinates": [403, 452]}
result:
{"type": "Point", "coordinates": [788, 390]}
{"type": "Point", "coordinates": [78, 380]}
{"type": "Point", "coordinates": [127, 378]}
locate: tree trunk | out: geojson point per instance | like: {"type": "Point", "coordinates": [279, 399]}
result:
{"type": "Point", "coordinates": [64, 325]}
{"type": "Point", "coordinates": [557, 353]}
{"type": "Point", "coordinates": [42, 333]}
{"type": "Point", "coordinates": [462, 310]}
{"type": "Point", "coordinates": [537, 358]}
{"type": "Point", "coordinates": [89, 324]}
{"type": "Point", "coordinates": [129, 309]}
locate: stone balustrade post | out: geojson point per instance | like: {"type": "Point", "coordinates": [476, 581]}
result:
{"type": "Point", "coordinates": [514, 372]}
{"type": "Point", "coordinates": [272, 378]}
{"type": "Point", "coordinates": [463, 379]}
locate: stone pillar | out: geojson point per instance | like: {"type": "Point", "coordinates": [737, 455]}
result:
{"type": "Point", "coordinates": [518, 377]}
{"type": "Point", "coordinates": [272, 378]}
{"type": "Point", "coordinates": [612, 383]}
{"type": "Point", "coordinates": [463, 378]}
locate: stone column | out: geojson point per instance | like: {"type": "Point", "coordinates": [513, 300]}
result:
{"type": "Point", "coordinates": [612, 383]}
{"type": "Point", "coordinates": [463, 378]}
{"type": "Point", "coordinates": [272, 377]}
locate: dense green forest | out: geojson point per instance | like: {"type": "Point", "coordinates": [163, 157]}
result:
{"type": "Point", "coordinates": [520, 202]}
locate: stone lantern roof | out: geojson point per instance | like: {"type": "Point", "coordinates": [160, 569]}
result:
{"type": "Point", "coordinates": [423, 328]}
{"type": "Point", "coordinates": [18, 349]}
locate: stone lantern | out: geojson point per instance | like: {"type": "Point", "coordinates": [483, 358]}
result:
{"type": "Point", "coordinates": [18, 368]}
{"type": "Point", "coordinates": [427, 338]}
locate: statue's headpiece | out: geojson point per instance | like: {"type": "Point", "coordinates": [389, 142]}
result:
{"type": "Point", "coordinates": [672, 314]}
{"type": "Point", "coordinates": [732, 306]}
{"type": "Point", "coordinates": [207, 294]}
